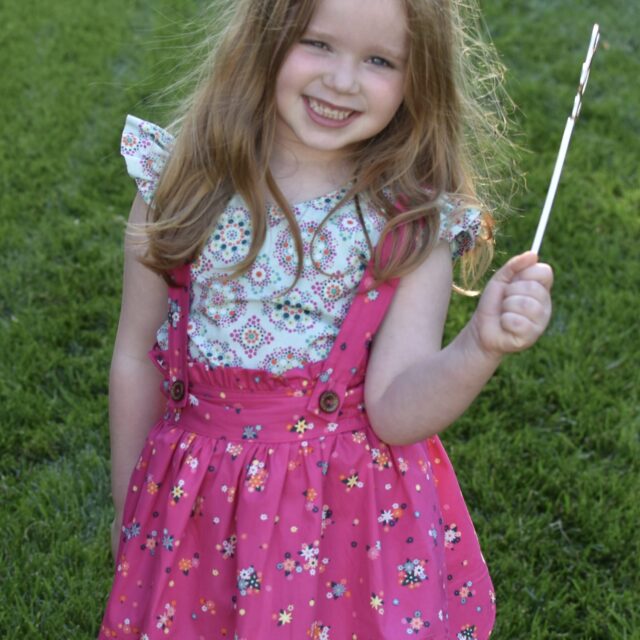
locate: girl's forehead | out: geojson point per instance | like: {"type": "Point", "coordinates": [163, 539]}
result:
{"type": "Point", "coordinates": [375, 22]}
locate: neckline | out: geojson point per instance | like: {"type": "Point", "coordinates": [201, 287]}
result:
{"type": "Point", "coordinates": [335, 194]}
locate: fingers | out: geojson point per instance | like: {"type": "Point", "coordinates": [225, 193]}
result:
{"type": "Point", "coordinates": [515, 307]}
{"type": "Point", "coordinates": [539, 272]}
{"type": "Point", "coordinates": [526, 307]}
{"type": "Point", "coordinates": [522, 332]}
{"type": "Point", "coordinates": [515, 266]}
{"type": "Point", "coordinates": [528, 288]}
{"type": "Point", "coordinates": [521, 275]}
{"type": "Point", "coordinates": [525, 267]}
{"type": "Point", "coordinates": [536, 311]}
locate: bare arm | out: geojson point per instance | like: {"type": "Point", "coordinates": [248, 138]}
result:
{"type": "Point", "coordinates": [135, 400]}
{"type": "Point", "coordinates": [414, 388]}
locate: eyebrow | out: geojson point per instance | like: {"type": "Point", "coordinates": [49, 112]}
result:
{"type": "Point", "coordinates": [379, 48]}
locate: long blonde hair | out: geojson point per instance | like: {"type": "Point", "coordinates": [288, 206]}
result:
{"type": "Point", "coordinates": [444, 139]}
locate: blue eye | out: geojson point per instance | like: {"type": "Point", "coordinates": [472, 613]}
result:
{"type": "Point", "coordinates": [317, 44]}
{"type": "Point", "coordinates": [380, 62]}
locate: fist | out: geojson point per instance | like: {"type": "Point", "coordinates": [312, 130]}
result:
{"type": "Point", "coordinates": [515, 307]}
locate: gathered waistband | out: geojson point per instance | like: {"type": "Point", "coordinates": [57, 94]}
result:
{"type": "Point", "coordinates": [265, 416]}
{"type": "Point", "coordinates": [247, 405]}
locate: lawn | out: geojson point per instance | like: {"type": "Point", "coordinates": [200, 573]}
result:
{"type": "Point", "coordinates": [548, 456]}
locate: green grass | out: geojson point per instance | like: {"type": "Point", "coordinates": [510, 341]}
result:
{"type": "Point", "coordinates": [548, 456]}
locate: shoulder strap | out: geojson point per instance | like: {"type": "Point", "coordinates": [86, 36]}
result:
{"type": "Point", "coordinates": [178, 352]}
{"type": "Point", "coordinates": [351, 347]}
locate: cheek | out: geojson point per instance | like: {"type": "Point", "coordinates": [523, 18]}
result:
{"type": "Point", "coordinates": [284, 83]}
{"type": "Point", "coordinates": [390, 96]}
{"type": "Point", "coordinates": [294, 71]}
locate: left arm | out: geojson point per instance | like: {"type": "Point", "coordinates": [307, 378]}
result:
{"type": "Point", "coordinates": [415, 389]}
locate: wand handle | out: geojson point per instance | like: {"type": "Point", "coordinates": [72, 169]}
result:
{"type": "Point", "coordinates": [553, 186]}
{"type": "Point", "coordinates": [564, 145]}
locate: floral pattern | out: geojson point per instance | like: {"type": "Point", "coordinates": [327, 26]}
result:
{"type": "Point", "coordinates": [252, 336]}
{"type": "Point", "coordinates": [250, 514]}
{"type": "Point", "coordinates": [317, 303]}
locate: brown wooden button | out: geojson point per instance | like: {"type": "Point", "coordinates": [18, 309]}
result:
{"type": "Point", "coordinates": [177, 391]}
{"type": "Point", "coordinates": [329, 401]}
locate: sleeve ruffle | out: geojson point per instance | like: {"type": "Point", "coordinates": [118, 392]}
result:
{"type": "Point", "coordinates": [145, 147]}
{"type": "Point", "coordinates": [460, 225]}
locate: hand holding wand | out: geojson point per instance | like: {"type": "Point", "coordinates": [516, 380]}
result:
{"type": "Point", "coordinates": [568, 130]}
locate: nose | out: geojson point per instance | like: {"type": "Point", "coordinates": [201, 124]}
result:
{"type": "Point", "coordinates": [342, 76]}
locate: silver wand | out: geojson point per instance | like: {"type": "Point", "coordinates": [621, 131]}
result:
{"type": "Point", "coordinates": [564, 145]}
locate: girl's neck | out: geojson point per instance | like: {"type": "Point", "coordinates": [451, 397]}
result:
{"type": "Point", "coordinates": [302, 179]}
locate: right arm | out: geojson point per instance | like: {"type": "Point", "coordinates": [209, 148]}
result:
{"type": "Point", "coordinates": [135, 399]}
{"type": "Point", "coordinates": [414, 388]}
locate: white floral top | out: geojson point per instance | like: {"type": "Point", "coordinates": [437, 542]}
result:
{"type": "Point", "coordinates": [251, 321]}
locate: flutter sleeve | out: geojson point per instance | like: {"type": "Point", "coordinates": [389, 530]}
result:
{"type": "Point", "coordinates": [460, 225]}
{"type": "Point", "coordinates": [145, 147]}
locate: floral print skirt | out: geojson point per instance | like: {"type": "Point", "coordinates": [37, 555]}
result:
{"type": "Point", "coordinates": [264, 507]}
{"type": "Point", "coordinates": [247, 520]}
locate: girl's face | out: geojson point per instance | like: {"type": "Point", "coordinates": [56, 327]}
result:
{"type": "Point", "coordinates": [342, 83]}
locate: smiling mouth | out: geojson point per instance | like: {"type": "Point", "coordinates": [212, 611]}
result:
{"type": "Point", "coordinates": [323, 110]}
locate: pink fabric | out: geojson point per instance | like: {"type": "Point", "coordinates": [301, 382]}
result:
{"type": "Point", "coordinates": [253, 514]}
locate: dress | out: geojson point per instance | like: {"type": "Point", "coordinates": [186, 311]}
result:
{"type": "Point", "coordinates": [263, 506]}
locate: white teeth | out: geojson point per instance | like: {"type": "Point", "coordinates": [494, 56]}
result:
{"type": "Point", "coordinates": [327, 112]}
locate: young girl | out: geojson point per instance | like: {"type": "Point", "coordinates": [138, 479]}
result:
{"type": "Point", "coordinates": [291, 482]}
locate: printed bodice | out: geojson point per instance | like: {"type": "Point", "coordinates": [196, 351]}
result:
{"type": "Point", "coordinates": [257, 320]}
{"type": "Point", "coordinates": [252, 320]}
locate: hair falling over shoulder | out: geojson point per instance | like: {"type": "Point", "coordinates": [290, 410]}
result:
{"type": "Point", "coordinates": [448, 137]}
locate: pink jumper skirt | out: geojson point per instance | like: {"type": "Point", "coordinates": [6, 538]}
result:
{"type": "Point", "coordinates": [264, 507]}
